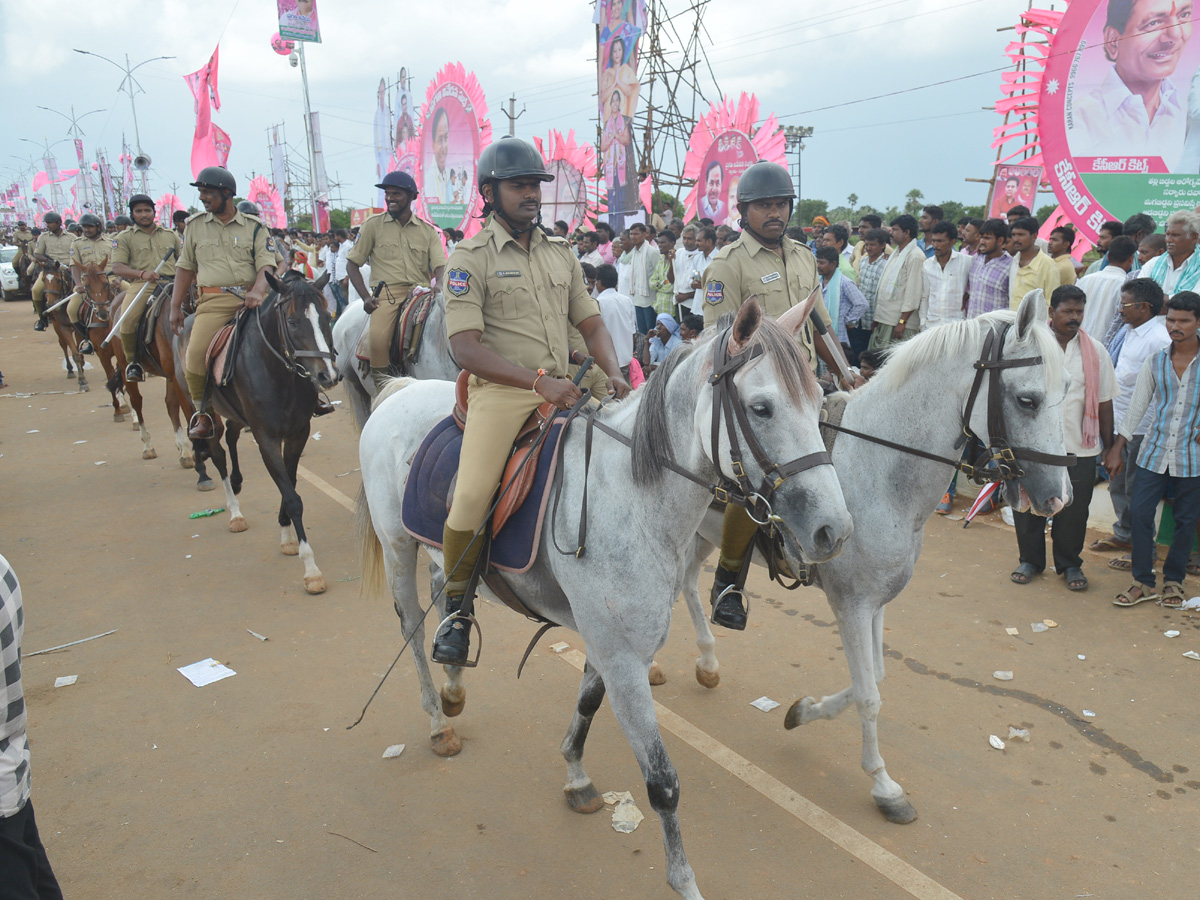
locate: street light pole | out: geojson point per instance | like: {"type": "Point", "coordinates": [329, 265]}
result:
{"type": "Point", "coordinates": [794, 135]}
{"type": "Point", "coordinates": [312, 147]}
{"type": "Point", "coordinates": [77, 133]}
{"type": "Point", "coordinates": [130, 85]}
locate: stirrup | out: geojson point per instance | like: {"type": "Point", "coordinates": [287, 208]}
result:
{"type": "Point", "coordinates": [730, 590]}
{"type": "Point", "coordinates": [472, 623]}
{"type": "Point", "coordinates": [133, 372]}
{"type": "Point", "coordinates": [85, 347]}
{"type": "Point", "coordinates": [194, 423]}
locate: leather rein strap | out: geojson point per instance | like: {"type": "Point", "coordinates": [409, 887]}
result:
{"type": "Point", "coordinates": [289, 355]}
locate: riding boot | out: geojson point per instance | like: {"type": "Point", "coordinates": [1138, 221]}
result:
{"type": "Point", "coordinates": [40, 325]}
{"type": "Point", "coordinates": [460, 552]}
{"type": "Point", "coordinates": [133, 372]}
{"type": "Point", "coordinates": [85, 343]}
{"type": "Point", "coordinates": [452, 643]}
{"type": "Point", "coordinates": [729, 610]}
{"type": "Point", "coordinates": [201, 427]}
{"type": "Point", "coordinates": [324, 407]}
{"type": "Point", "coordinates": [40, 309]}
{"type": "Point", "coordinates": [380, 375]}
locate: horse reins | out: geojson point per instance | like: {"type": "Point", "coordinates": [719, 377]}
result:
{"type": "Point", "coordinates": [997, 460]}
{"type": "Point", "coordinates": [289, 356]}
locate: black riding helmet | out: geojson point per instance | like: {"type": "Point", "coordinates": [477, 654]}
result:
{"type": "Point", "coordinates": [216, 177]}
{"type": "Point", "coordinates": [765, 181]}
{"type": "Point", "coordinates": [401, 180]}
{"type": "Point", "coordinates": [52, 217]}
{"type": "Point", "coordinates": [510, 157]}
{"type": "Point", "coordinates": [249, 208]}
{"type": "Point", "coordinates": [123, 221]}
{"type": "Point", "coordinates": [140, 198]}
{"type": "Point", "coordinates": [90, 219]}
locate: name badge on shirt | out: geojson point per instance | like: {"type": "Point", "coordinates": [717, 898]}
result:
{"type": "Point", "coordinates": [508, 273]}
{"type": "Point", "coordinates": [774, 276]}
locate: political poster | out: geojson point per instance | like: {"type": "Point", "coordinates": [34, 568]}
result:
{"type": "Point", "coordinates": [454, 131]}
{"type": "Point", "coordinates": [1119, 111]}
{"type": "Point", "coordinates": [619, 27]}
{"type": "Point", "coordinates": [1013, 186]}
{"type": "Point", "coordinates": [572, 196]}
{"type": "Point", "coordinates": [298, 20]}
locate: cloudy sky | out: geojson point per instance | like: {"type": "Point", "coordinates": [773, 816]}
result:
{"type": "Point", "coordinates": [807, 62]}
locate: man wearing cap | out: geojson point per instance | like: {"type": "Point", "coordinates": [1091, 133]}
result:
{"type": "Point", "coordinates": [137, 253]}
{"type": "Point", "coordinates": [781, 272]}
{"type": "Point", "coordinates": [53, 248]}
{"type": "Point", "coordinates": [404, 251]}
{"type": "Point", "coordinates": [228, 255]}
{"type": "Point", "coordinates": [92, 247]}
{"type": "Point", "coordinates": [512, 294]}
{"type": "Point", "coordinates": [24, 240]}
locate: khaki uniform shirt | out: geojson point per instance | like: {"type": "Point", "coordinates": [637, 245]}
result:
{"type": "Point", "coordinates": [522, 301]}
{"type": "Point", "coordinates": [402, 256]}
{"type": "Point", "coordinates": [225, 255]}
{"type": "Point", "coordinates": [143, 252]}
{"type": "Point", "coordinates": [85, 250]}
{"type": "Point", "coordinates": [23, 240]}
{"type": "Point", "coordinates": [57, 247]}
{"type": "Point", "coordinates": [746, 267]}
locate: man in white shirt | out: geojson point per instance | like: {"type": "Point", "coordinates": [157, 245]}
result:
{"type": "Point", "coordinates": [617, 311]}
{"type": "Point", "coordinates": [622, 243]}
{"type": "Point", "coordinates": [688, 261]}
{"type": "Point", "coordinates": [1103, 287]}
{"type": "Point", "coordinates": [642, 257]}
{"type": "Point", "coordinates": [1179, 268]}
{"type": "Point", "coordinates": [1144, 334]}
{"type": "Point", "coordinates": [589, 241]}
{"type": "Point", "coordinates": [943, 297]}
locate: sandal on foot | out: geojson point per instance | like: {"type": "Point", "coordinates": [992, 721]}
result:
{"type": "Point", "coordinates": [1193, 568]}
{"type": "Point", "coordinates": [1172, 595]}
{"type": "Point", "coordinates": [1109, 544]}
{"type": "Point", "coordinates": [1122, 563]}
{"type": "Point", "coordinates": [1024, 573]}
{"type": "Point", "coordinates": [1076, 580]}
{"type": "Point", "coordinates": [1134, 594]}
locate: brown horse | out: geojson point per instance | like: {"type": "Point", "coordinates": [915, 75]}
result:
{"type": "Point", "coordinates": [96, 316]}
{"type": "Point", "coordinates": [161, 355]}
{"type": "Point", "coordinates": [56, 280]}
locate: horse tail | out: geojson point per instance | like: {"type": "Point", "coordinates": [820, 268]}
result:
{"type": "Point", "coordinates": [116, 381]}
{"type": "Point", "coordinates": [374, 576]}
{"type": "Point", "coordinates": [393, 385]}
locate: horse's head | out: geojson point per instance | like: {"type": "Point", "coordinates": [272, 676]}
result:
{"type": "Point", "coordinates": [1030, 402]}
{"type": "Point", "coordinates": [772, 412]}
{"type": "Point", "coordinates": [54, 279]}
{"type": "Point", "coordinates": [305, 318]}
{"type": "Point", "coordinates": [95, 282]}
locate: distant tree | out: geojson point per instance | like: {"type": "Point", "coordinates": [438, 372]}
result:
{"type": "Point", "coordinates": [807, 210]}
{"type": "Point", "coordinates": [1045, 212]}
{"type": "Point", "coordinates": [852, 200]}
{"type": "Point", "coordinates": [339, 218]}
{"type": "Point", "coordinates": [662, 200]}
{"type": "Point", "coordinates": [913, 201]}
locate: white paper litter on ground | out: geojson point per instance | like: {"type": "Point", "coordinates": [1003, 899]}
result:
{"type": "Point", "coordinates": [81, 442]}
{"type": "Point", "coordinates": [766, 704]}
{"type": "Point", "coordinates": [626, 816]}
{"type": "Point", "coordinates": [1080, 656]}
{"type": "Point", "coordinates": [1003, 676]}
{"type": "Point", "coordinates": [261, 637]}
{"type": "Point", "coordinates": [1018, 734]}
{"type": "Point", "coordinates": [1171, 633]}
{"type": "Point", "coordinates": [560, 646]}
{"type": "Point", "coordinates": [393, 751]}
{"type": "Point", "coordinates": [205, 672]}
{"type": "Point", "coordinates": [64, 680]}
{"type": "Point", "coordinates": [1039, 627]}
{"type": "Point", "coordinates": [32, 431]}
{"type": "Point", "coordinates": [1194, 603]}
{"type": "Point", "coordinates": [100, 462]}
{"type": "Point", "coordinates": [1006, 514]}
{"type": "Point", "coordinates": [1050, 623]}
{"type": "Point", "coordinates": [1192, 654]}
{"type": "Point", "coordinates": [1011, 632]}
{"type": "Point", "coordinates": [316, 436]}
{"type": "Point", "coordinates": [995, 742]}
{"type": "Point", "coordinates": [1089, 714]}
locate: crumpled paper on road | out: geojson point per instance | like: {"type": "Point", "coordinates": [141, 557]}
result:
{"type": "Point", "coordinates": [626, 816]}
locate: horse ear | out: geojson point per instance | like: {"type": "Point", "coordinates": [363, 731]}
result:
{"type": "Point", "coordinates": [748, 319]}
{"type": "Point", "coordinates": [275, 283]}
{"type": "Point", "coordinates": [793, 320]}
{"type": "Point", "coordinates": [1032, 309]}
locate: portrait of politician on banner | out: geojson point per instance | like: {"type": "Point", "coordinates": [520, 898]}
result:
{"type": "Point", "coordinates": [454, 130]}
{"type": "Point", "coordinates": [1013, 186]}
{"type": "Point", "coordinates": [298, 20]}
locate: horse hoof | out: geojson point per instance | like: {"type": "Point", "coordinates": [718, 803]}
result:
{"type": "Point", "coordinates": [204, 486]}
{"type": "Point", "coordinates": [315, 584]}
{"type": "Point", "coordinates": [149, 454]}
{"type": "Point", "coordinates": [657, 676]}
{"type": "Point", "coordinates": [450, 706]}
{"type": "Point", "coordinates": [585, 799]}
{"type": "Point", "coordinates": [291, 548]}
{"type": "Point", "coordinates": [83, 386]}
{"type": "Point", "coordinates": [797, 713]}
{"type": "Point", "coordinates": [707, 679]}
{"type": "Point", "coordinates": [134, 426]}
{"type": "Point", "coordinates": [446, 743]}
{"type": "Point", "coordinates": [898, 811]}
{"type": "Point", "coordinates": [237, 525]}
{"type": "Point", "coordinates": [186, 462]}
{"type": "Point", "coordinates": [117, 417]}
{"type": "Point", "coordinates": [124, 410]}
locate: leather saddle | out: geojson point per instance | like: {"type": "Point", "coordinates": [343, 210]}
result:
{"type": "Point", "coordinates": [223, 349]}
{"type": "Point", "coordinates": [406, 339]}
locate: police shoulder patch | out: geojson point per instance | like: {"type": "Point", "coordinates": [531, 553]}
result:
{"type": "Point", "coordinates": [714, 293]}
{"type": "Point", "coordinates": [458, 282]}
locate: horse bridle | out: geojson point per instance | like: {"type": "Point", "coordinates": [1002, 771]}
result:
{"type": "Point", "coordinates": [289, 355]}
{"type": "Point", "coordinates": [997, 460]}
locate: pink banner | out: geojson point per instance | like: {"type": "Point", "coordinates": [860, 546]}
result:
{"type": "Point", "coordinates": [166, 208]}
{"type": "Point", "coordinates": [210, 145]}
{"type": "Point", "coordinates": [268, 201]}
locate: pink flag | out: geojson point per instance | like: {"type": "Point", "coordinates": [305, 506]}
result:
{"type": "Point", "coordinates": [210, 145]}
{"type": "Point", "coordinates": [222, 144]}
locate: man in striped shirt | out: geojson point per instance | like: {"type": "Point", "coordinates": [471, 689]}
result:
{"type": "Point", "coordinates": [991, 269]}
{"type": "Point", "coordinates": [1169, 386]}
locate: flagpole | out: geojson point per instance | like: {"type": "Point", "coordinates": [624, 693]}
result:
{"type": "Point", "coordinates": [312, 152]}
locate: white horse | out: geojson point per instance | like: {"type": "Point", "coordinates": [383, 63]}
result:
{"type": "Point", "coordinates": [643, 520]}
{"type": "Point", "coordinates": [918, 400]}
{"type": "Point", "coordinates": [433, 354]}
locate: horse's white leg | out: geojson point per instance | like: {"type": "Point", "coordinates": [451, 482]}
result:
{"type": "Point", "coordinates": [402, 564]}
{"type": "Point", "coordinates": [237, 522]}
{"type": "Point", "coordinates": [184, 447]}
{"type": "Point", "coordinates": [707, 669]}
{"type": "Point", "coordinates": [314, 581]}
{"type": "Point", "coordinates": [288, 544]}
{"type": "Point", "coordinates": [148, 451]}
{"type": "Point", "coordinates": [453, 693]}
{"type": "Point", "coordinates": [581, 794]}
{"type": "Point", "coordinates": [809, 710]}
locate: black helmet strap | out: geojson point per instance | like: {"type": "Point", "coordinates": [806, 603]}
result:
{"type": "Point", "coordinates": [496, 209]}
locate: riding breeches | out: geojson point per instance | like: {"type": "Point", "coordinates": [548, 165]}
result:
{"type": "Point", "coordinates": [737, 533]}
{"type": "Point", "coordinates": [136, 308]}
{"type": "Point", "coordinates": [383, 324]}
{"type": "Point", "coordinates": [73, 306]}
{"type": "Point", "coordinates": [38, 292]}
{"type": "Point", "coordinates": [212, 312]}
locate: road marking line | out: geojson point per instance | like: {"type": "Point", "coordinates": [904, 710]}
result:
{"type": "Point", "coordinates": [858, 845]}
{"type": "Point", "coordinates": [325, 487]}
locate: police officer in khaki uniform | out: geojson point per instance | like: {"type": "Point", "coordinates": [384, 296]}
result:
{"type": "Point", "coordinates": [782, 273]}
{"type": "Point", "coordinates": [93, 246]}
{"type": "Point", "coordinates": [137, 252]}
{"type": "Point", "coordinates": [228, 255]}
{"type": "Point", "coordinates": [24, 239]}
{"type": "Point", "coordinates": [404, 251]}
{"type": "Point", "coordinates": [511, 295]}
{"type": "Point", "coordinates": [53, 247]}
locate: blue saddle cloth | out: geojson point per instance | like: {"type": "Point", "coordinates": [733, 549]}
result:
{"type": "Point", "coordinates": [426, 496]}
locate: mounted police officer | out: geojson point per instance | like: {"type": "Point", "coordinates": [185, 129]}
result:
{"type": "Point", "coordinates": [511, 295]}
{"type": "Point", "coordinates": [404, 251]}
{"type": "Point", "coordinates": [92, 247]}
{"type": "Point", "coordinates": [228, 255]}
{"type": "Point", "coordinates": [781, 272]}
{"type": "Point", "coordinates": [24, 239]}
{"type": "Point", "coordinates": [53, 246]}
{"type": "Point", "coordinates": [137, 252]}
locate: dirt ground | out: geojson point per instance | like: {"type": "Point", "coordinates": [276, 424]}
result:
{"type": "Point", "coordinates": [146, 786]}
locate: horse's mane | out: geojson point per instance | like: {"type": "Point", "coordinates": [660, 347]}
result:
{"type": "Point", "coordinates": [651, 436]}
{"type": "Point", "coordinates": [964, 338]}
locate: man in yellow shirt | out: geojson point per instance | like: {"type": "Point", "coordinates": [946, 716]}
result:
{"type": "Point", "coordinates": [1062, 239]}
{"type": "Point", "coordinates": [1034, 269]}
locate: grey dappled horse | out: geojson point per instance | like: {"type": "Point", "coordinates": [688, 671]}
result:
{"type": "Point", "coordinates": [642, 524]}
{"type": "Point", "coordinates": [918, 400]}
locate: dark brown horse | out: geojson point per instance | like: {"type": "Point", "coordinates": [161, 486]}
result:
{"type": "Point", "coordinates": [96, 314]}
{"type": "Point", "coordinates": [56, 281]}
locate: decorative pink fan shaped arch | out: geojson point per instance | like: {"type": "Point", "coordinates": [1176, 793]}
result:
{"type": "Point", "coordinates": [575, 194]}
{"type": "Point", "coordinates": [727, 121]}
